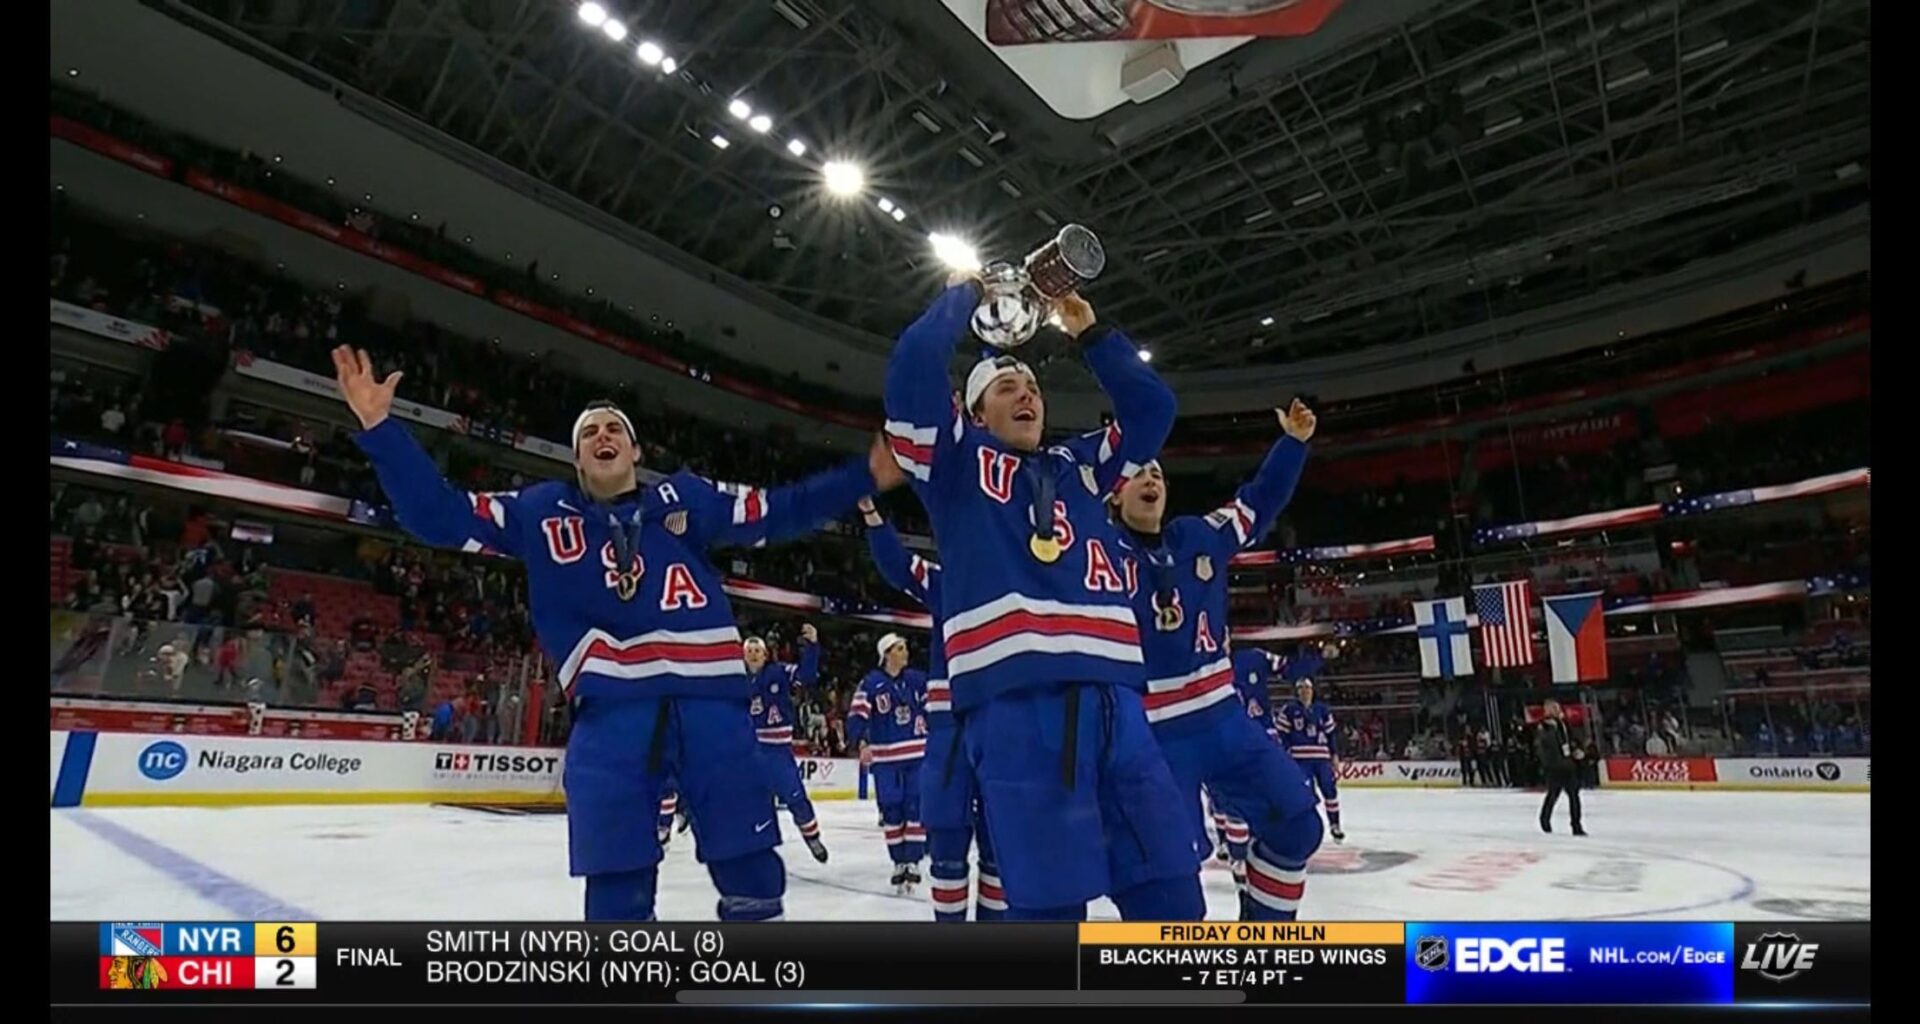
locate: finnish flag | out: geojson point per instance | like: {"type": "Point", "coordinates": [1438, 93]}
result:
{"type": "Point", "coordinates": [1445, 651]}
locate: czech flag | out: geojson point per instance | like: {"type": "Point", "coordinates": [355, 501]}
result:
{"type": "Point", "coordinates": [1576, 637]}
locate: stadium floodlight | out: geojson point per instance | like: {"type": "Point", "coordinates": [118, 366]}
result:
{"type": "Point", "coordinates": [1146, 355]}
{"type": "Point", "coordinates": [740, 110]}
{"type": "Point", "coordinates": [760, 123]}
{"type": "Point", "coordinates": [593, 14]}
{"type": "Point", "coordinates": [1266, 321]}
{"type": "Point", "coordinates": [899, 213]}
{"type": "Point", "coordinates": [796, 147]}
{"type": "Point", "coordinates": [615, 29]}
{"type": "Point", "coordinates": [843, 178]}
{"type": "Point", "coordinates": [720, 141]}
{"type": "Point", "coordinates": [886, 205]}
{"type": "Point", "coordinates": [651, 54]}
{"type": "Point", "coordinates": [669, 65]}
{"type": "Point", "coordinates": [955, 252]}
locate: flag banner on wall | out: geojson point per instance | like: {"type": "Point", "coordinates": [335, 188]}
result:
{"type": "Point", "coordinates": [1445, 652]}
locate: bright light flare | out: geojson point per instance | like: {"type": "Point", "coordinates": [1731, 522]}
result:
{"type": "Point", "coordinates": [843, 178]}
{"type": "Point", "coordinates": [955, 252]}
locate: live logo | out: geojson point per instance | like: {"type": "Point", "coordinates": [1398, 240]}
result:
{"type": "Point", "coordinates": [1800, 961]}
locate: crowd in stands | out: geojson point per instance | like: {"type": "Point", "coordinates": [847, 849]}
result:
{"type": "Point", "coordinates": [318, 196]}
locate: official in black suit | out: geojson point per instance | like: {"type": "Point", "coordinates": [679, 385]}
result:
{"type": "Point", "coordinates": [1560, 761]}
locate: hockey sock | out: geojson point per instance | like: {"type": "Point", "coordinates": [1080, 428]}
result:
{"type": "Point", "coordinates": [949, 873]}
{"type": "Point", "coordinates": [990, 903]}
{"type": "Point", "coordinates": [1332, 804]}
{"type": "Point", "coordinates": [751, 887]}
{"type": "Point", "coordinates": [1277, 869]}
{"type": "Point", "coordinates": [622, 895]}
{"type": "Point", "coordinates": [1163, 899]}
{"type": "Point", "coordinates": [1237, 838]}
{"type": "Point", "coordinates": [914, 838]}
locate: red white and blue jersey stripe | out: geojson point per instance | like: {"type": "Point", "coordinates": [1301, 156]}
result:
{"type": "Point", "coordinates": [1306, 732]}
{"type": "Point", "coordinates": [1010, 621]}
{"type": "Point", "coordinates": [1181, 603]}
{"type": "Point", "coordinates": [673, 633]}
{"type": "Point", "coordinates": [890, 714]}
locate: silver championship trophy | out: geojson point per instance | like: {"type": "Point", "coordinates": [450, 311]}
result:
{"type": "Point", "coordinates": [1017, 297]}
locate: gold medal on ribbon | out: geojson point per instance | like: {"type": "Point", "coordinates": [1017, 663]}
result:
{"type": "Point", "coordinates": [1046, 549]}
{"type": "Point", "coordinates": [1169, 619]}
{"type": "Point", "coordinates": [629, 584]}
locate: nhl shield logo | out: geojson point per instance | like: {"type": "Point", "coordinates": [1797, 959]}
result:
{"type": "Point", "coordinates": [1203, 567]}
{"type": "Point", "coordinates": [1431, 953]}
{"type": "Point", "coordinates": [1086, 479]}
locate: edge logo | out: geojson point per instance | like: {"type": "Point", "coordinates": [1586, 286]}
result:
{"type": "Point", "coordinates": [1492, 956]}
{"type": "Point", "coordinates": [1777, 956]}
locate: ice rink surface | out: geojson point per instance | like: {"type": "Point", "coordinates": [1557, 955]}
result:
{"type": "Point", "coordinates": [1409, 855]}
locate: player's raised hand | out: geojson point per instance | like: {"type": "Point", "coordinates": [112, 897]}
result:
{"type": "Point", "coordinates": [1076, 314]}
{"type": "Point", "coordinates": [887, 473]}
{"type": "Point", "coordinates": [368, 398]}
{"type": "Point", "coordinates": [809, 633]}
{"type": "Point", "coordinates": [1298, 421]}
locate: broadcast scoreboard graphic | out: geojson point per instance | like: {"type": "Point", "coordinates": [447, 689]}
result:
{"type": "Point", "coordinates": [797, 964]}
{"type": "Point", "coordinates": [208, 956]}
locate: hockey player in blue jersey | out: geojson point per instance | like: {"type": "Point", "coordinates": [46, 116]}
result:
{"type": "Point", "coordinates": [949, 804]}
{"type": "Point", "coordinates": [887, 721]}
{"type": "Point", "coordinates": [772, 708]}
{"type": "Point", "coordinates": [1252, 668]}
{"type": "Point", "coordinates": [626, 602]}
{"type": "Point", "coordinates": [1042, 649]}
{"type": "Point", "coordinates": [1306, 730]}
{"type": "Point", "coordinates": [1192, 701]}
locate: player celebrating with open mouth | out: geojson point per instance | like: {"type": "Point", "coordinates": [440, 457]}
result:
{"type": "Point", "coordinates": [627, 603]}
{"type": "Point", "coordinates": [1204, 729]}
{"type": "Point", "coordinates": [1042, 650]}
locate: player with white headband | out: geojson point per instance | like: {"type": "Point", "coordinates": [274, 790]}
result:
{"type": "Point", "coordinates": [627, 603]}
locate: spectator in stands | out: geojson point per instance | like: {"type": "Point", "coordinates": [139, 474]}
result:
{"type": "Point", "coordinates": [1790, 743]}
{"type": "Point", "coordinates": [89, 514]}
{"type": "Point", "coordinates": [443, 721]}
{"type": "Point", "coordinates": [113, 421]}
{"type": "Point", "coordinates": [303, 610]}
{"type": "Point", "coordinates": [226, 661]}
{"type": "Point", "coordinates": [1657, 746]}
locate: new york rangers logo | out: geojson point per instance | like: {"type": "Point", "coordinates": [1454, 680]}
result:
{"type": "Point", "coordinates": [136, 939]}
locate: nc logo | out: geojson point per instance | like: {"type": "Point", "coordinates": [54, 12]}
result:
{"type": "Point", "coordinates": [1491, 956]}
{"type": "Point", "coordinates": [163, 760]}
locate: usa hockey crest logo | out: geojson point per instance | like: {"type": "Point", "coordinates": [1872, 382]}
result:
{"type": "Point", "coordinates": [1203, 568]}
{"type": "Point", "coordinates": [883, 703]}
{"type": "Point", "coordinates": [1087, 481]}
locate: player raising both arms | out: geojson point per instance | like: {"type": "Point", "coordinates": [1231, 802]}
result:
{"type": "Point", "coordinates": [771, 705]}
{"type": "Point", "coordinates": [625, 601]}
{"type": "Point", "coordinates": [948, 798]}
{"type": "Point", "coordinates": [1203, 727]}
{"type": "Point", "coordinates": [1043, 654]}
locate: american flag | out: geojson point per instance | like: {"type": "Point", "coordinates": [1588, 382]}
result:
{"type": "Point", "coordinates": [1506, 622]}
